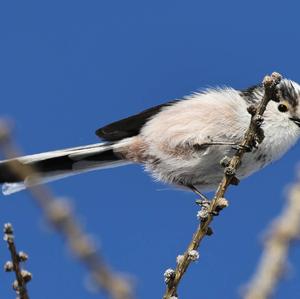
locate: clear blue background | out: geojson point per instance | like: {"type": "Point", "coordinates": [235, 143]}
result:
{"type": "Point", "coordinates": [68, 67]}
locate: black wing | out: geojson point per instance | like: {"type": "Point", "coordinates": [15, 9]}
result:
{"type": "Point", "coordinates": [129, 126]}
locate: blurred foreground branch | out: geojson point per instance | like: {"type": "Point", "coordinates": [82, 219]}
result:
{"type": "Point", "coordinates": [22, 276]}
{"type": "Point", "coordinates": [59, 214]}
{"type": "Point", "coordinates": [283, 231]}
{"type": "Point", "coordinates": [253, 136]}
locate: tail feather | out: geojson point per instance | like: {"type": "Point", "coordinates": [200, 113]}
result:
{"type": "Point", "coordinates": [54, 165]}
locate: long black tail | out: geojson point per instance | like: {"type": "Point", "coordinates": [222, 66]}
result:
{"type": "Point", "coordinates": [55, 165]}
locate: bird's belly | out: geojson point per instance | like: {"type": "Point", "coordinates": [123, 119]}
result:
{"type": "Point", "coordinates": [205, 170]}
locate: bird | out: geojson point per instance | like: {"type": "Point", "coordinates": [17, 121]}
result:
{"type": "Point", "coordinates": [180, 142]}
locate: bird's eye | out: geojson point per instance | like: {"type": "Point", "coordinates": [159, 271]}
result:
{"type": "Point", "coordinates": [282, 108]}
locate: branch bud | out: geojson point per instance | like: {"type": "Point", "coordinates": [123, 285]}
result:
{"type": "Point", "coordinates": [8, 229]}
{"type": "Point", "coordinates": [9, 266]}
{"type": "Point", "coordinates": [230, 171]}
{"type": "Point", "coordinates": [27, 276]}
{"type": "Point", "coordinates": [276, 77]}
{"type": "Point", "coordinates": [209, 231]}
{"type": "Point", "coordinates": [194, 255]}
{"type": "Point", "coordinates": [22, 256]}
{"type": "Point", "coordinates": [252, 110]}
{"type": "Point", "coordinates": [15, 285]}
{"type": "Point", "coordinates": [202, 215]}
{"type": "Point", "coordinates": [169, 275]}
{"type": "Point", "coordinates": [225, 161]}
{"type": "Point", "coordinates": [222, 203]}
{"type": "Point", "coordinates": [179, 258]}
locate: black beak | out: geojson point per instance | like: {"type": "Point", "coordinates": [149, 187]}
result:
{"type": "Point", "coordinates": [296, 120]}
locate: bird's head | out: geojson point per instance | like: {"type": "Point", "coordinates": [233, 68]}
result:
{"type": "Point", "coordinates": [289, 101]}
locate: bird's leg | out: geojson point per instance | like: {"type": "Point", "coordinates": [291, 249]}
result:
{"type": "Point", "coordinates": [205, 205]}
{"type": "Point", "coordinates": [196, 191]}
{"type": "Point", "coordinates": [204, 145]}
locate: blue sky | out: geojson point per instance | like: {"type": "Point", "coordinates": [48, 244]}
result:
{"type": "Point", "coordinates": [68, 67]}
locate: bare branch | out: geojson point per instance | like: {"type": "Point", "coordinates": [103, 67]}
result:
{"type": "Point", "coordinates": [283, 231]}
{"type": "Point", "coordinates": [59, 214]}
{"type": "Point", "coordinates": [22, 276]}
{"type": "Point", "coordinates": [253, 136]}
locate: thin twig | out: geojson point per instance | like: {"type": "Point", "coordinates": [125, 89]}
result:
{"type": "Point", "coordinates": [22, 276]}
{"type": "Point", "coordinates": [253, 136]}
{"type": "Point", "coordinates": [284, 230]}
{"type": "Point", "coordinates": [59, 214]}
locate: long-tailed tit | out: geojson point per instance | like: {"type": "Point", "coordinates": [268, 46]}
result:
{"type": "Point", "coordinates": [180, 142]}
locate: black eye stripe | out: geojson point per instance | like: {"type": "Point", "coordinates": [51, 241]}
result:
{"type": "Point", "coordinates": [282, 108]}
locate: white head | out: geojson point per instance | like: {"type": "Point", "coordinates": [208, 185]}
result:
{"type": "Point", "coordinates": [289, 101]}
{"type": "Point", "coordinates": [288, 107]}
{"type": "Point", "coordinates": [282, 119]}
